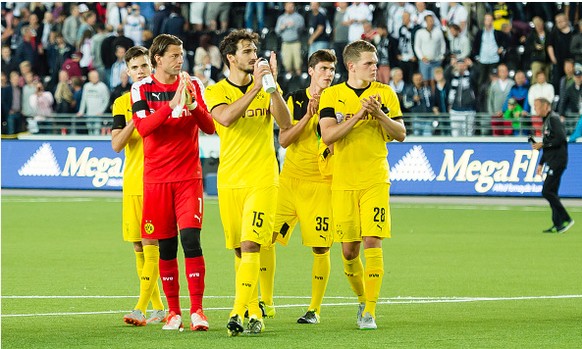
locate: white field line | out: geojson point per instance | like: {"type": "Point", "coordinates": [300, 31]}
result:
{"type": "Point", "coordinates": [390, 301]}
{"type": "Point", "coordinates": [395, 206]}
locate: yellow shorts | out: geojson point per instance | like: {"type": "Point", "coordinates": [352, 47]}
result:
{"type": "Point", "coordinates": [310, 204]}
{"type": "Point", "coordinates": [247, 214]}
{"type": "Point", "coordinates": [131, 217]}
{"type": "Point", "coordinates": [358, 213]}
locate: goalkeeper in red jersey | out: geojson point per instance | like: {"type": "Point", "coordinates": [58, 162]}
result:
{"type": "Point", "coordinates": [168, 111]}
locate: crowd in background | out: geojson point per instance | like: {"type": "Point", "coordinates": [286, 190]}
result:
{"type": "Point", "coordinates": [452, 61]}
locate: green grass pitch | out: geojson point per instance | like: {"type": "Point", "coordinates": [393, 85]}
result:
{"type": "Point", "coordinates": [456, 276]}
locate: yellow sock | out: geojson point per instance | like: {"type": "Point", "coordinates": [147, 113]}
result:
{"type": "Point", "coordinates": [139, 262]}
{"type": "Point", "coordinates": [149, 276]}
{"type": "Point", "coordinates": [236, 263]}
{"type": "Point", "coordinates": [320, 277]}
{"type": "Point", "coordinates": [267, 274]}
{"type": "Point", "coordinates": [354, 271]}
{"type": "Point", "coordinates": [253, 305]}
{"type": "Point", "coordinates": [373, 276]}
{"type": "Point", "coordinates": [247, 278]}
{"type": "Point", "coordinates": [156, 297]}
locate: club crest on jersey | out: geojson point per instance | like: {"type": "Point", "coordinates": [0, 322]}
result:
{"type": "Point", "coordinates": [148, 227]}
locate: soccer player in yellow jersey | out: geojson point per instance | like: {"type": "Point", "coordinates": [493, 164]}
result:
{"type": "Point", "coordinates": [304, 194]}
{"type": "Point", "coordinates": [358, 117]}
{"type": "Point", "coordinates": [124, 135]}
{"type": "Point", "coordinates": [248, 176]}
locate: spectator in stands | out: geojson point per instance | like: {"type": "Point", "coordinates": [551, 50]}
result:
{"type": "Point", "coordinates": [569, 106]}
{"type": "Point", "coordinates": [123, 87]}
{"type": "Point", "coordinates": [220, 10]}
{"type": "Point", "coordinates": [386, 47]}
{"type": "Point", "coordinates": [28, 90]}
{"type": "Point", "coordinates": [406, 58]}
{"type": "Point", "coordinates": [94, 100]}
{"type": "Point", "coordinates": [41, 103]}
{"type": "Point", "coordinates": [568, 79]}
{"type": "Point", "coordinates": [356, 14]}
{"type": "Point", "coordinates": [440, 102]}
{"type": "Point", "coordinates": [89, 19]}
{"type": "Point", "coordinates": [398, 84]}
{"type": "Point", "coordinates": [26, 51]}
{"type": "Point", "coordinates": [63, 94]}
{"type": "Point", "coordinates": [77, 85]}
{"type": "Point", "coordinates": [206, 48]}
{"type": "Point", "coordinates": [514, 114]}
{"type": "Point", "coordinates": [116, 13]}
{"type": "Point", "coordinates": [97, 43]}
{"type": "Point", "coordinates": [85, 46]}
{"type": "Point", "coordinates": [576, 44]}
{"type": "Point", "coordinates": [488, 46]}
{"type": "Point", "coordinates": [535, 48]}
{"type": "Point", "coordinates": [255, 11]}
{"type": "Point", "coordinates": [519, 92]}
{"type": "Point", "coordinates": [57, 53]}
{"type": "Point", "coordinates": [72, 66]}
{"type": "Point", "coordinates": [395, 14]}
{"type": "Point", "coordinates": [457, 14]}
{"type": "Point", "coordinates": [462, 101]}
{"type": "Point", "coordinates": [577, 131]}
{"type": "Point", "coordinates": [430, 47]}
{"type": "Point", "coordinates": [15, 115]}
{"type": "Point", "coordinates": [148, 38]}
{"type": "Point", "coordinates": [174, 24]}
{"type": "Point", "coordinates": [289, 27]}
{"type": "Point", "coordinates": [501, 15]}
{"type": "Point", "coordinates": [162, 12]}
{"type": "Point", "coordinates": [71, 26]}
{"type": "Point", "coordinates": [6, 102]}
{"type": "Point", "coordinates": [340, 37]}
{"type": "Point", "coordinates": [541, 89]}
{"type": "Point", "coordinates": [559, 48]}
{"type": "Point", "coordinates": [318, 38]}
{"type": "Point", "coordinates": [197, 15]}
{"type": "Point", "coordinates": [199, 72]}
{"type": "Point", "coordinates": [498, 91]}
{"type": "Point", "coordinates": [460, 45]}
{"type": "Point", "coordinates": [418, 100]}
{"type": "Point", "coordinates": [9, 63]}
{"type": "Point", "coordinates": [46, 27]}
{"type": "Point", "coordinates": [118, 67]}
{"type": "Point", "coordinates": [419, 16]}
{"type": "Point", "coordinates": [134, 24]}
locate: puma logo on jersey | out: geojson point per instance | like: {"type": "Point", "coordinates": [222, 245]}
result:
{"type": "Point", "coordinates": [299, 103]}
{"type": "Point", "coordinates": [197, 217]}
{"type": "Point", "coordinates": [157, 95]}
{"type": "Point", "coordinates": [228, 98]}
{"type": "Point", "coordinates": [342, 102]}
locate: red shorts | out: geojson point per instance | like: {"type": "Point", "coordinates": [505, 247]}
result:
{"type": "Point", "coordinates": [168, 207]}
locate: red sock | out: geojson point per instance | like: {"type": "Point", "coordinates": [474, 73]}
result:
{"type": "Point", "coordinates": [195, 271]}
{"type": "Point", "coordinates": [171, 284]}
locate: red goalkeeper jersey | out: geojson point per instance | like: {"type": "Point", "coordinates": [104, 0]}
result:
{"type": "Point", "coordinates": [171, 151]}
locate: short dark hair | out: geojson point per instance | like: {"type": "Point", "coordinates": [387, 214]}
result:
{"type": "Point", "coordinates": [228, 45]}
{"type": "Point", "coordinates": [135, 51]}
{"type": "Point", "coordinates": [321, 56]}
{"type": "Point", "coordinates": [160, 45]}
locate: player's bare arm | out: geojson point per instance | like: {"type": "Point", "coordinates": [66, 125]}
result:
{"type": "Point", "coordinates": [119, 138]}
{"type": "Point", "coordinates": [278, 108]}
{"type": "Point", "coordinates": [394, 127]}
{"type": "Point", "coordinates": [332, 131]}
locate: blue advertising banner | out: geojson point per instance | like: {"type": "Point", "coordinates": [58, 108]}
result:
{"type": "Point", "coordinates": [477, 169]}
{"type": "Point", "coordinates": [416, 168]}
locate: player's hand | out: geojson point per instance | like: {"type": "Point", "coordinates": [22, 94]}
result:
{"type": "Point", "coordinates": [537, 145]}
{"type": "Point", "coordinates": [372, 105]}
{"type": "Point", "coordinates": [273, 65]}
{"type": "Point", "coordinates": [190, 89]}
{"type": "Point", "coordinates": [539, 170]}
{"type": "Point", "coordinates": [178, 95]}
{"type": "Point", "coordinates": [313, 106]}
{"type": "Point", "coordinates": [259, 71]}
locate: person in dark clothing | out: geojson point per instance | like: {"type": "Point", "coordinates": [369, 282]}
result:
{"type": "Point", "coordinates": [554, 149]}
{"type": "Point", "coordinates": [559, 48]}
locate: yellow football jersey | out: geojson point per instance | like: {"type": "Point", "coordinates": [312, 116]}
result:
{"type": "Point", "coordinates": [247, 149]}
{"type": "Point", "coordinates": [133, 167]}
{"type": "Point", "coordinates": [360, 158]}
{"type": "Point", "coordinates": [301, 157]}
